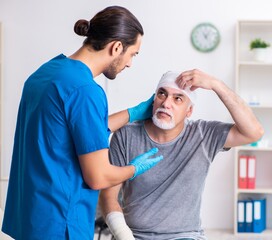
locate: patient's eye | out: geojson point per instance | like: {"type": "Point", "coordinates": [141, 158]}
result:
{"type": "Point", "coordinates": [178, 99]}
{"type": "Point", "coordinates": [161, 94]}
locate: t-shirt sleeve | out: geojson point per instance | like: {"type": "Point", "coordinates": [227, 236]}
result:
{"type": "Point", "coordinates": [214, 134]}
{"type": "Point", "coordinates": [117, 152]}
{"type": "Point", "coordinates": [87, 116]}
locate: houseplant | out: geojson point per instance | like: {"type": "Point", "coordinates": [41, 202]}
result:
{"type": "Point", "coordinates": [259, 46]}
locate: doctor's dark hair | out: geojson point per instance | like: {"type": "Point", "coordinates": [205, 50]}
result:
{"type": "Point", "coordinates": [114, 23]}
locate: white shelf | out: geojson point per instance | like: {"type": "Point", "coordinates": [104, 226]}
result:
{"type": "Point", "coordinates": [261, 106]}
{"type": "Point", "coordinates": [265, 233]}
{"type": "Point", "coordinates": [249, 148]}
{"type": "Point", "coordinates": [255, 191]}
{"type": "Point", "coordinates": [254, 83]}
{"type": "Point", "coordinates": [254, 63]}
{"type": "Point", "coordinates": [227, 234]}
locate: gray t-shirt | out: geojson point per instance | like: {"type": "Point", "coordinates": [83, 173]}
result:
{"type": "Point", "coordinates": [164, 203]}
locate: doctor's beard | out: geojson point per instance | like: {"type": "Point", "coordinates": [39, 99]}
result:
{"type": "Point", "coordinates": [162, 123]}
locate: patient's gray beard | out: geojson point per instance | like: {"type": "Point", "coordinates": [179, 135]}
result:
{"type": "Point", "coordinates": [161, 123]}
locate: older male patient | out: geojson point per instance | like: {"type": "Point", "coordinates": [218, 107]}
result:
{"type": "Point", "coordinates": [165, 204]}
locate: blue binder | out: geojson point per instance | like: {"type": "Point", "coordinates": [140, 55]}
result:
{"type": "Point", "coordinates": [241, 216]}
{"type": "Point", "coordinates": [259, 215]}
{"type": "Point", "coordinates": [249, 216]}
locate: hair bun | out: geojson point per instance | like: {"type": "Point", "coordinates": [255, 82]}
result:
{"type": "Point", "coordinates": [82, 27]}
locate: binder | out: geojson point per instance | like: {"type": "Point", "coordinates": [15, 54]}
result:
{"type": "Point", "coordinates": [259, 215]}
{"type": "Point", "coordinates": [242, 175]}
{"type": "Point", "coordinates": [241, 215]}
{"type": "Point", "coordinates": [251, 172]}
{"type": "Point", "coordinates": [249, 216]}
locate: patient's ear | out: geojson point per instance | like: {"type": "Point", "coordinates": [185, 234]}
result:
{"type": "Point", "coordinates": [189, 111]}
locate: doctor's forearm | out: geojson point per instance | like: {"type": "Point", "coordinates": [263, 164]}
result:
{"type": "Point", "coordinates": [118, 120]}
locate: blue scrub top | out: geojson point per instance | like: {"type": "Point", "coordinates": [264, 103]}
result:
{"type": "Point", "coordinates": [63, 113]}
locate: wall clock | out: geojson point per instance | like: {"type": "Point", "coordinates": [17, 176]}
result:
{"type": "Point", "coordinates": [205, 37]}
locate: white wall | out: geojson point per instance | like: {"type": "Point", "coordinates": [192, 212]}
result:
{"type": "Point", "coordinates": [35, 31]}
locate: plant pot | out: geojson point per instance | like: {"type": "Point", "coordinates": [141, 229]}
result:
{"type": "Point", "coordinates": [260, 54]}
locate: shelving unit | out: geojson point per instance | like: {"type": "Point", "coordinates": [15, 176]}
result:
{"type": "Point", "coordinates": [254, 85]}
{"type": "Point", "coordinates": [1, 109]}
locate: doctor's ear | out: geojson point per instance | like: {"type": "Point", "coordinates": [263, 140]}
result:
{"type": "Point", "coordinates": [117, 48]}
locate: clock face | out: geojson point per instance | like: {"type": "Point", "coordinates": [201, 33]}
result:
{"type": "Point", "coordinates": [205, 37]}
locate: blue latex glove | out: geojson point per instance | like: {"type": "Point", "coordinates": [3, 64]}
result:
{"type": "Point", "coordinates": [142, 163]}
{"type": "Point", "coordinates": [142, 111]}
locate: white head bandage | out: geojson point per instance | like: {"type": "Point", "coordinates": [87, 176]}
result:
{"type": "Point", "coordinates": [168, 79]}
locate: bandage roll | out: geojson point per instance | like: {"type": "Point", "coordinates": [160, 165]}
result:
{"type": "Point", "coordinates": [117, 224]}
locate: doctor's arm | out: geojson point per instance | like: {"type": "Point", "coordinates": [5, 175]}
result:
{"type": "Point", "coordinates": [113, 214]}
{"type": "Point", "coordinates": [98, 173]}
{"type": "Point", "coordinates": [246, 128]}
{"type": "Point", "coordinates": [140, 112]}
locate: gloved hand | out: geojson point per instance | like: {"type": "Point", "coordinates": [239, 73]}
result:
{"type": "Point", "coordinates": [142, 111]}
{"type": "Point", "coordinates": [142, 163]}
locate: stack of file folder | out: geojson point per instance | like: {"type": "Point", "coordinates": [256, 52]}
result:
{"type": "Point", "coordinates": [247, 172]}
{"type": "Point", "coordinates": [251, 215]}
